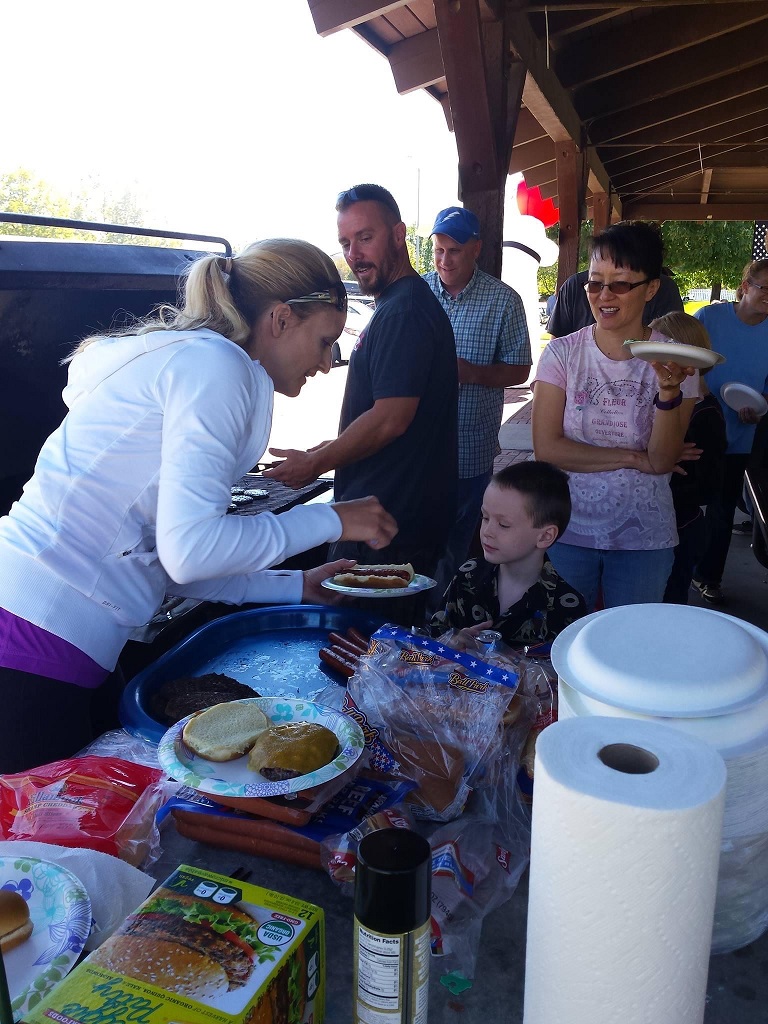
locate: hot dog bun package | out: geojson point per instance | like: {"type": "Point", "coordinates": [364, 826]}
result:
{"type": "Point", "coordinates": [203, 949]}
{"type": "Point", "coordinates": [431, 714]}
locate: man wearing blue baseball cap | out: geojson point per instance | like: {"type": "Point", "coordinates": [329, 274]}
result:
{"type": "Point", "coordinates": [493, 352]}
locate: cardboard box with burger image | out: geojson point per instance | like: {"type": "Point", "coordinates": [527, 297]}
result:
{"type": "Point", "coordinates": [203, 948]}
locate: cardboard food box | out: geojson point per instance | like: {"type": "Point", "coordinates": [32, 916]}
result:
{"type": "Point", "coordinates": [202, 949]}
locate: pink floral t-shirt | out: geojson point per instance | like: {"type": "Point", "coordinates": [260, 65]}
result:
{"type": "Point", "coordinates": [609, 403]}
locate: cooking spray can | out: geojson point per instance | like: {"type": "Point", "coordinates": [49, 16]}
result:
{"type": "Point", "coordinates": [393, 895]}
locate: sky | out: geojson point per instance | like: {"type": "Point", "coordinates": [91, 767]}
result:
{"type": "Point", "coordinates": [231, 119]}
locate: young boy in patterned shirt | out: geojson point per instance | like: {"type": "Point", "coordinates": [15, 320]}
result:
{"type": "Point", "coordinates": [514, 587]}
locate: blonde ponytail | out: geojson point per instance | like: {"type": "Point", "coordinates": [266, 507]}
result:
{"type": "Point", "coordinates": [228, 294]}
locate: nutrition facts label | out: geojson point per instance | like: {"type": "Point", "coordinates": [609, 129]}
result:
{"type": "Point", "coordinates": [392, 977]}
{"type": "Point", "coordinates": [378, 968]}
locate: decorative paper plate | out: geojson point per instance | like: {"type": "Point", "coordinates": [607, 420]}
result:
{"type": "Point", "coordinates": [674, 352]}
{"type": "Point", "coordinates": [738, 396]}
{"type": "Point", "coordinates": [417, 584]}
{"type": "Point", "coordinates": [60, 910]}
{"type": "Point", "coordinates": [235, 779]}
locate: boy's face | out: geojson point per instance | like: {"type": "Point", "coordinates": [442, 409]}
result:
{"type": "Point", "coordinates": [506, 532]}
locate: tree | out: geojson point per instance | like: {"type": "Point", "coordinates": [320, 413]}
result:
{"type": "Point", "coordinates": [343, 268]}
{"type": "Point", "coordinates": [708, 253]}
{"type": "Point", "coordinates": [419, 250]}
{"type": "Point", "coordinates": [22, 192]}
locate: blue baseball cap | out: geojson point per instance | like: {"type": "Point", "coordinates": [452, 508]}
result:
{"type": "Point", "coordinates": [459, 224]}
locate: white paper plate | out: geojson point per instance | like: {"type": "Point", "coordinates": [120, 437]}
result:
{"type": "Point", "coordinates": [235, 779]}
{"type": "Point", "coordinates": [417, 584]}
{"type": "Point", "coordinates": [674, 352]}
{"type": "Point", "coordinates": [60, 911]}
{"type": "Point", "coordinates": [738, 396]}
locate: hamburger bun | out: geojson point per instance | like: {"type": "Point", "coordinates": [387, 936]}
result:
{"type": "Point", "coordinates": [379, 577]}
{"type": "Point", "coordinates": [165, 964]}
{"type": "Point", "coordinates": [15, 924]}
{"type": "Point", "coordinates": [225, 731]}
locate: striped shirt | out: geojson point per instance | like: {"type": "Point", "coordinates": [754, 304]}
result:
{"type": "Point", "coordinates": [489, 324]}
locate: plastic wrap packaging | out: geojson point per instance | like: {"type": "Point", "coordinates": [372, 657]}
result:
{"type": "Point", "coordinates": [430, 714]}
{"type": "Point", "coordinates": [99, 803]}
{"type": "Point", "coordinates": [627, 818]}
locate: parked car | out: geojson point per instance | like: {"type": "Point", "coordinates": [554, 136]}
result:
{"type": "Point", "coordinates": [359, 312]}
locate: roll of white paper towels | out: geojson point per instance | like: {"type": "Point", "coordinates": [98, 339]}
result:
{"type": "Point", "coordinates": [627, 818]}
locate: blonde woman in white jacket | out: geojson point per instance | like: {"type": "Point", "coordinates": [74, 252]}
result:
{"type": "Point", "coordinates": [129, 497]}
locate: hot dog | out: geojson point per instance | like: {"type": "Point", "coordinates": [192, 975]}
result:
{"type": "Point", "coordinates": [379, 577]}
{"type": "Point", "coordinates": [358, 638]}
{"type": "Point", "coordinates": [346, 647]}
{"type": "Point", "coordinates": [337, 662]}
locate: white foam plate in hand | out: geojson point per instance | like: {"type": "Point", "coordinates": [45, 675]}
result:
{"type": "Point", "coordinates": [674, 352]}
{"type": "Point", "coordinates": [739, 396]}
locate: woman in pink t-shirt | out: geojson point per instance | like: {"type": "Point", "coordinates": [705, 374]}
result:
{"type": "Point", "coordinates": [616, 424]}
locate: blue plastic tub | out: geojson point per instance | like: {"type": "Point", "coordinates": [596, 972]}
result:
{"type": "Point", "coordinates": [274, 650]}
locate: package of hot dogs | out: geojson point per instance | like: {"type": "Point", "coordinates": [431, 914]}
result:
{"type": "Point", "coordinates": [200, 818]}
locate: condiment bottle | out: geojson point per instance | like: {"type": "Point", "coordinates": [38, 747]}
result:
{"type": "Point", "coordinates": [393, 895]}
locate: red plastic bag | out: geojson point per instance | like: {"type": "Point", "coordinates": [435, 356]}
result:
{"type": "Point", "coordinates": [81, 802]}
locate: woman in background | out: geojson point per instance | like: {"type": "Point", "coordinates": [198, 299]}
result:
{"type": "Point", "coordinates": [616, 424]}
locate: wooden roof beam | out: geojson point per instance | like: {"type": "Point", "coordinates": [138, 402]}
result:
{"type": "Point", "coordinates": [528, 128]}
{"type": "Point", "coordinates": [417, 62]}
{"type": "Point", "coordinates": [748, 131]}
{"type": "Point", "coordinates": [652, 209]}
{"type": "Point", "coordinates": [531, 155]}
{"type": "Point", "coordinates": [544, 96]}
{"type": "Point", "coordinates": [461, 44]}
{"type": "Point", "coordinates": [670, 74]}
{"type": "Point", "coordinates": [661, 33]}
{"type": "Point", "coordinates": [332, 16]}
{"type": "Point", "coordinates": [688, 110]}
{"type": "Point", "coordinates": [706, 181]}
{"type": "Point", "coordinates": [692, 162]}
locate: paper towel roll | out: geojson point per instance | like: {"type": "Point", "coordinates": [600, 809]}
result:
{"type": "Point", "coordinates": [627, 817]}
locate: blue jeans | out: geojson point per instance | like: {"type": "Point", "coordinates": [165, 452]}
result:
{"type": "Point", "coordinates": [469, 501]}
{"type": "Point", "coordinates": [625, 577]}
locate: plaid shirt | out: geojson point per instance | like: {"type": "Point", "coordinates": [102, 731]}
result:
{"type": "Point", "coordinates": [489, 324]}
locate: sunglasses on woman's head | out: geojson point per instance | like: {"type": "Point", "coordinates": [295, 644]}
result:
{"type": "Point", "coordinates": [337, 297]}
{"type": "Point", "coordinates": [615, 287]}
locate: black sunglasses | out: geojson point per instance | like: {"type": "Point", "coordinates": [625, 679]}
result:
{"type": "Point", "coordinates": [337, 296]}
{"type": "Point", "coordinates": [616, 287]}
{"type": "Point", "coordinates": [368, 193]}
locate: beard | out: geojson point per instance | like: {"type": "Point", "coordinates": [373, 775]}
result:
{"type": "Point", "coordinates": [373, 278]}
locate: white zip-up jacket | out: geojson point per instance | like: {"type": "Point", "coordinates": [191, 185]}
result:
{"type": "Point", "coordinates": [129, 496]}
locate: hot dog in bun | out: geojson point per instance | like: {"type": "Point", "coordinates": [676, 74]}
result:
{"type": "Point", "coordinates": [379, 577]}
